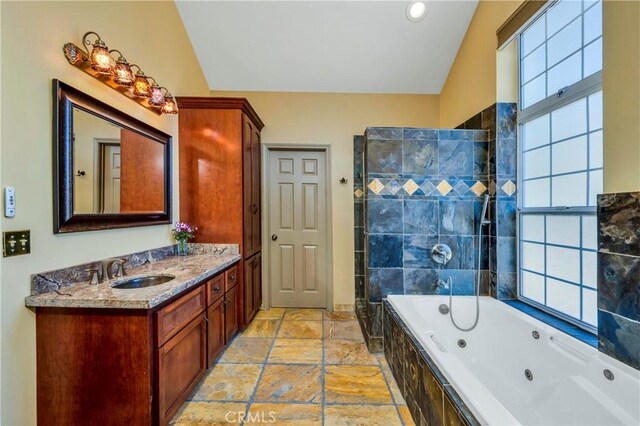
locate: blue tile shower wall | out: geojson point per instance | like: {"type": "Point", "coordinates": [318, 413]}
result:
{"type": "Point", "coordinates": [358, 219]}
{"type": "Point", "coordinates": [423, 186]}
{"type": "Point", "coordinates": [499, 121]}
{"type": "Point", "coordinates": [619, 276]}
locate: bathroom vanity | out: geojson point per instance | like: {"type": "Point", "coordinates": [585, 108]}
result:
{"type": "Point", "coordinates": [112, 356]}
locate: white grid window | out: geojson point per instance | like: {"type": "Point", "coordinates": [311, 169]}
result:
{"type": "Point", "coordinates": [560, 159]}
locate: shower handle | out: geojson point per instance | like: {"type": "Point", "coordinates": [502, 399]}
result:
{"type": "Point", "coordinates": [441, 253]}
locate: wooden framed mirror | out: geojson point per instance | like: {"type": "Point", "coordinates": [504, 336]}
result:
{"type": "Point", "coordinates": [110, 170]}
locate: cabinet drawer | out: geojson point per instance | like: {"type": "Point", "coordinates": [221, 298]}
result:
{"type": "Point", "coordinates": [173, 317]}
{"type": "Point", "coordinates": [231, 278]}
{"type": "Point", "coordinates": [215, 288]}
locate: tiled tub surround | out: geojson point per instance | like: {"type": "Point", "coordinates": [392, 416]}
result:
{"type": "Point", "coordinates": [303, 367]}
{"type": "Point", "coordinates": [70, 287]}
{"type": "Point", "coordinates": [499, 121]}
{"type": "Point", "coordinates": [424, 186]}
{"type": "Point", "coordinates": [619, 276]}
{"type": "Point", "coordinates": [430, 398]}
{"type": "Point", "coordinates": [511, 369]}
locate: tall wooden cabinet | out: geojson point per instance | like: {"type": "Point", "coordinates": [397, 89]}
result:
{"type": "Point", "coordinates": [219, 146]}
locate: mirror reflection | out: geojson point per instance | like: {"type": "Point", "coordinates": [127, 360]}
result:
{"type": "Point", "coordinates": [116, 169]}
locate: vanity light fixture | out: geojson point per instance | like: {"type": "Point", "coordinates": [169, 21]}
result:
{"type": "Point", "coordinates": [122, 74]}
{"type": "Point", "coordinates": [416, 10]}
{"type": "Point", "coordinates": [101, 60]}
{"type": "Point", "coordinates": [156, 97]}
{"type": "Point", "coordinates": [169, 106]}
{"type": "Point", "coordinates": [118, 74]}
{"type": "Point", "coordinates": [141, 86]}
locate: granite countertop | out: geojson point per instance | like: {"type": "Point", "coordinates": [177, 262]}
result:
{"type": "Point", "coordinates": [188, 270]}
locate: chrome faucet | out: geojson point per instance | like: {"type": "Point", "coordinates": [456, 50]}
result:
{"type": "Point", "coordinates": [106, 268]}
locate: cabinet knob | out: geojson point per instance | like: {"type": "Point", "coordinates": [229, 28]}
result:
{"type": "Point", "coordinates": [274, 237]}
{"type": "Point", "coordinates": [254, 208]}
{"type": "Point", "coordinates": [216, 288]}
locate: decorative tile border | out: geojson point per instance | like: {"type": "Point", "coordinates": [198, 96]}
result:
{"type": "Point", "coordinates": [408, 187]}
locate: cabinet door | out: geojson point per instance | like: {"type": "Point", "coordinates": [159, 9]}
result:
{"type": "Point", "coordinates": [215, 330]}
{"type": "Point", "coordinates": [231, 313]}
{"type": "Point", "coordinates": [181, 363]}
{"type": "Point", "coordinates": [247, 202]}
{"type": "Point", "coordinates": [256, 163]}
{"type": "Point", "coordinates": [257, 282]}
{"type": "Point", "coordinates": [248, 301]}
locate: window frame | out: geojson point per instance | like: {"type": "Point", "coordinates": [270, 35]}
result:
{"type": "Point", "coordinates": [565, 96]}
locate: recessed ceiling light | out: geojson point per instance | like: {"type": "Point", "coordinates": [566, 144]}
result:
{"type": "Point", "coordinates": [416, 10]}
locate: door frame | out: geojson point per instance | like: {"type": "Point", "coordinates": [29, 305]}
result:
{"type": "Point", "coordinates": [267, 148]}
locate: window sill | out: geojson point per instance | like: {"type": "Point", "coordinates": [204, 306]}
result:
{"type": "Point", "coordinates": [555, 322]}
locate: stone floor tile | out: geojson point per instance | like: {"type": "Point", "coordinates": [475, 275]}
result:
{"type": "Point", "coordinates": [296, 351]}
{"type": "Point", "coordinates": [247, 350]}
{"type": "Point", "coordinates": [383, 415]}
{"type": "Point", "coordinates": [228, 382]}
{"type": "Point", "coordinates": [290, 383]}
{"type": "Point", "coordinates": [356, 384]}
{"type": "Point", "coordinates": [343, 330]}
{"type": "Point", "coordinates": [273, 313]}
{"type": "Point", "coordinates": [339, 316]}
{"type": "Point", "coordinates": [405, 415]}
{"type": "Point", "coordinates": [303, 314]}
{"type": "Point", "coordinates": [209, 413]}
{"type": "Point", "coordinates": [300, 330]}
{"type": "Point", "coordinates": [340, 351]}
{"type": "Point", "coordinates": [284, 414]}
{"type": "Point", "coordinates": [395, 391]}
{"type": "Point", "coordinates": [262, 328]}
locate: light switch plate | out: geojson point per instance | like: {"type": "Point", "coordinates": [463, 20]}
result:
{"type": "Point", "coordinates": [15, 243]}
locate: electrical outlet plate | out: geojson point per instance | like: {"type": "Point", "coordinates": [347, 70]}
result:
{"type": "Point", "coordinates": [15, 243]}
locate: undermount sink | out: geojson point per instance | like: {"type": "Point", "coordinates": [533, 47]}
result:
{"type": "Point", "coordinates": [140, 282]}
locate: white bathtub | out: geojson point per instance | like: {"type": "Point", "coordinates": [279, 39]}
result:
{"type": "Point", "coordinates": [568, 386]}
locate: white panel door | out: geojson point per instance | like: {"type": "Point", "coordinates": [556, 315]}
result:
{"type": "Point", "coordinates": [297, 228]}
{"type": "Point", "coordinates": [111, 179]}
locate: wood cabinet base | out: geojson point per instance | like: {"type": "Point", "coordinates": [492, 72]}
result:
{"type": "Point", "coordinates": [79, 348]}
{"type": "Point", "coordinates": [130, 367]}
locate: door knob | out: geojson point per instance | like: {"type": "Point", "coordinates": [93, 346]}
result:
{"type": "Point", "coordinates": [274, 237]}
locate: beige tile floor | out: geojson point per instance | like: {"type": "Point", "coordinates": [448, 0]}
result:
{"type": "Point", "coordinates": [297, 367]}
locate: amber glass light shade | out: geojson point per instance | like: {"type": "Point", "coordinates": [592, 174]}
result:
{"type": "Point", "coordinates": [141, 86]}
{"type": "Point", "coordinates": [156, 97]}
{"type": "Point", "coordinates": [122, 74]}
{"type": "Point", "coordinates": [169, 106]}
{"type": "Point", "coordinates": [101, 59]}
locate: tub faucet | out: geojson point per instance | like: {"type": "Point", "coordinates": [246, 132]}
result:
{"type": "Point", "coordinates": [443, 283]}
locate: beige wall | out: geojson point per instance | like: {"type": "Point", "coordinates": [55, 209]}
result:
{"type": "Point", "coordinates": [32, 36]}
{"type": "Point", "coordinates": [621, 95]}
{"type": "Point", "coordinates": [471, 84]}
{"type": "Point", "coordinates": [333, 119]}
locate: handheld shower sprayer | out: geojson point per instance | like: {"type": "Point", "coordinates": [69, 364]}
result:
{"type": "Point", "coordinates": [483, 221]}
{"type": "Point", "coordinates": [485, 205]}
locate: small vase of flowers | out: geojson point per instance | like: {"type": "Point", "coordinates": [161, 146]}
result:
{"type": "Point", "coordinates": [182, 231]}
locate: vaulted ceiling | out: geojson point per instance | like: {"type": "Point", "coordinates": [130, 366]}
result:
{"type": "Point", "coordinates": [325, 46]}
